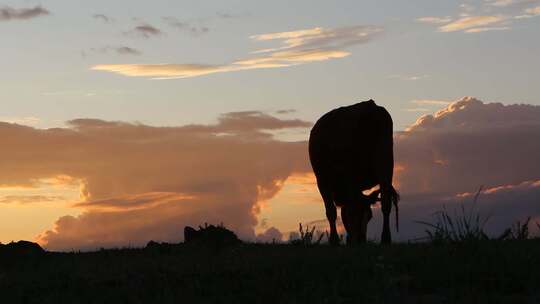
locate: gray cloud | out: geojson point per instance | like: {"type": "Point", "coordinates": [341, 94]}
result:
{"type": "Point", "coordinates": [144, 30]}
{"type": "Point", "coordinates": [286, 111]}
{"type": "Point", "coordinates": [8, 13]}
{"type": "Point", "coordinates": [103, 18]}
{"type": "Point", "coordinates": [186, 27]}
{"type": "Point", "coordinates": [120, 50]}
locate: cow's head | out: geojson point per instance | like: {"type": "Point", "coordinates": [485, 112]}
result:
{"type": "Point", "coordinates": [356, 213]}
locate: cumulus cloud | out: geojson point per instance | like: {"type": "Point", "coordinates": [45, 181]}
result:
{"type": "Point", "coordinates": [298, 47]}
{"type": "Point", "coordinates": [469, 144]}
{"type": "Point", "coordinates": [140, 182]}
{"type": "Point", "coordinates": [8, 13]}
{"type": "Point", "coordinates": [462, 147]}
{"type": "Point", "coordinates": [443, 159]}
{"type": "Point", "coordinates": [144, 31]}
{"type": "Point", "coordinates": [271, 234]}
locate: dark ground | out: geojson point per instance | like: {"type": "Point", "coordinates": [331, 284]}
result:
{"type": "Point", "coordinates": [478, 272]}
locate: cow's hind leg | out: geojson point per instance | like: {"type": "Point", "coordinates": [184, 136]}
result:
{"type": "Point", "coordinates": [331, 211]}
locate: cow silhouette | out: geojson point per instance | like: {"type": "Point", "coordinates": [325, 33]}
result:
{"type": "Point", "coordinates": [351, 150]}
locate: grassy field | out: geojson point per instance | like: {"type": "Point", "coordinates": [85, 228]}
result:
{"type": "Point", "coordinates": [468, 272]}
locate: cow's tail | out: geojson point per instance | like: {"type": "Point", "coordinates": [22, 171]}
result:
{"type": "Point", "coordinates": [394, 198]}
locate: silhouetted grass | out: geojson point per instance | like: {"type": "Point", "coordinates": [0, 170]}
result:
{"type": "Point", "coordinates": [484, 272]}
{"type": "Point", "coordinates": [309, 237]}
{"type": "Point", "coordinates": [467, 225]}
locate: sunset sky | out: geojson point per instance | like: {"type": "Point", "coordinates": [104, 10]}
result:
{"type": "Point", "coordinates": [124, 121]}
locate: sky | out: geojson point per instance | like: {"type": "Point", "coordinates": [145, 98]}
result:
{"type": "Point", "coordinates": [124, 121]}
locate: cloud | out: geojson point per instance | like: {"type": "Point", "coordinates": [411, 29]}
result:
{"type": "Point", "coordinates": [434, 20]}
{"type": "Point", "coordinates": [286, 111]}
{"type": "Point", "coordinates": [29, 199]}
{"type": "Point", "coordinates": [502, 2]}
{"type": "Point", "coordinates": [271, 234]}
{"type": "Point", "coordinates": [193, 30]}
{"type": "Point", "coordinates": [468, 23]}
{"type": "Point", "coordinates": [487, 29]}
{"type": "Point", "coordinates": [140, 182]}
{"type": "Point", "coordinates": [408, 77]}
{"type": "Point", "coordinates": [492, 142]}
{"type": "Point", "coordinates": [300, 47]}
{"type": "Point", "coordinates": [28, 120]}
{"type": "Point", "coordinates": [103, 18]}
{"type": "Point", "coordinates": [535, 11]}
{"type": "Point", "coordinates": [7, 13]}
{"type": "Point", "coordinates": [501, 205]}
{"type": "Point", "coordinates": [120, 50]}
{"type": "Point", "coordinates": [431, 102]}
{"type": "Point", "coordinates": [508, 3]}
{"type": "Point", "coordinates": [444, 158]}
{"type": "Point", "coordinates": [144, 31]}
{"type": "Point", "coordinates": [417, 110]}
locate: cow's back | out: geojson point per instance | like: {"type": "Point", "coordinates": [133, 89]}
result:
{"type": "Point", "coordinates": [341, 142]}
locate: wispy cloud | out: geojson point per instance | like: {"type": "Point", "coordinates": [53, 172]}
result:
{"type": "Point", "coordinates": [408, 77]}
{"type": "Point", "coordinates": [144, 31]}
{"type": "Point", "coordinates": [120, 50]}
{"type": "Point", "coordinates": [502, 14]}
{"type": "Point", "coordinates": [417, 110]}
{"type": "Point", "coordinates": [103, 18]}
{"type": "Point", "coordinates": [28, 120]}
{"type": "Point", "coordinates": [434, 20]}
{"type": "Point", "coordinates": [8, 13]}
{"type": "Point", "coordinates": [29, 199]}
{"type": "Point", "coordinates": [286, 111]}
{"type": "Point", "coordinates": [431, 102]}
{"type": "Point", "coordinates": [533, 11]}
{"type": "Point", "coordinates": [507, 3]}
{"type": "Point", "coordinates": [189, 28]}
{"type": "Point", "coordinates": [298, 47]}
{"type": "Point", "coordinates": [487, 29]}
{"type": "Point", "coordinates": [468, 23]}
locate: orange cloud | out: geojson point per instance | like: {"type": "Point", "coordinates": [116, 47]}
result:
{"type": "Point", "coordinates": [467, 23]}
{"type": "Point", "coordinates": [300, 47]}
{"type": "Point", "coordinates": [141, 182]}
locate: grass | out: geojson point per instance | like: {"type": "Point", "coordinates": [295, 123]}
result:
{"type": "Point", "coordinates": [467, 225]}
{"type": "Point", "coordinates": [457, 264]}
{"type": "Point", "coordinates": [485, 272]}
{"type": "Point", "coordinates": [309, 237]}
